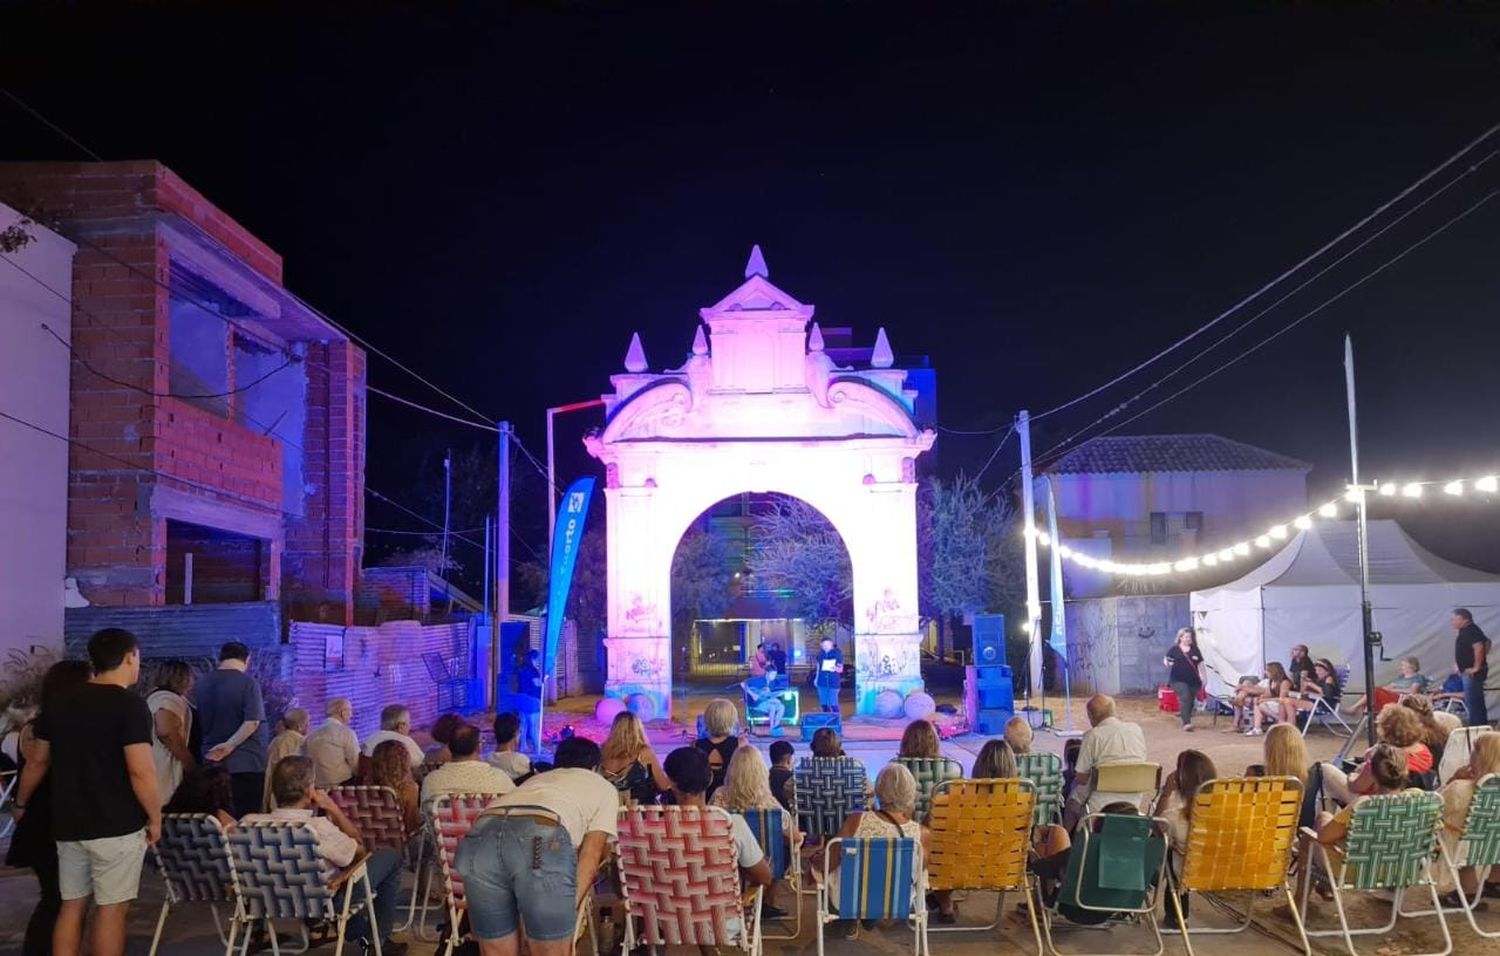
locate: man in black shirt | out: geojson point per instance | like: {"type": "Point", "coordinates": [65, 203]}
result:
{"type": "Point", "coordinates": [105, 806]}
{"type": "Point", "coordinates": [1471, 661]}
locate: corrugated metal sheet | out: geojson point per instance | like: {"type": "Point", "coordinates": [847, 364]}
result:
{"type": "Point", "coordinates": [179, 630]}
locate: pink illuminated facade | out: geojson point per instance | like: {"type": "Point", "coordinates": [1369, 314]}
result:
{"type": "Point", "coordinates": [760, 407]}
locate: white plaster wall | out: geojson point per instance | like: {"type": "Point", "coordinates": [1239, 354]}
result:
{"type": "Point", "coordinates": [1235, 504]}
{"type": "Point", "coordinates": [33, 467]}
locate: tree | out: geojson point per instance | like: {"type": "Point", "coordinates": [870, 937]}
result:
{"type": "Point", "coordinates": [701, 580]}
{"type": "Point", "coordinates": [960, 550]}
{"type": "Point", "coordinates": [796, 548]}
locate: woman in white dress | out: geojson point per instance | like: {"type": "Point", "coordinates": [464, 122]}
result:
{"type": "Point", "coordinates": [173, 720]}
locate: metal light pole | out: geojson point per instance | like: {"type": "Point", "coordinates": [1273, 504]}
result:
{"type": "Point", "coordinates": [1366, 617]}
{"type": "Point", "coordinates": [1033, 586]}
{"type": "Point", "coordinates": [502, 561]}
{"type": "Point", "coordinates": [552, 465]}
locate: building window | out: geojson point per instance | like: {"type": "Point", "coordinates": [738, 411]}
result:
{"type": "Point", "coordinates": [1193, 521]}
{"type": "Point", "coordinates": [1158, 527]}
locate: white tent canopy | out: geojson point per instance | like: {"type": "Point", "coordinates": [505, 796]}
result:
{"type": "Point", "coordinates": [1308, 593]}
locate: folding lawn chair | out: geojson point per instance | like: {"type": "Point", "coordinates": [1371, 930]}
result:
{"type": "Point", "coordinates": [929, 772]}
{"type": "Point", "coordinates": [681, 880]}
{"type": "Point", "coordinates": [1116, 871]}
{"type": "Point", "coordinates": [453, 814]}
{"type": "Point", "coordinates": [1391, 845]}
{"type": "Point", "coordinates": [828, 790]}
{"type": "Point", "coordinates": [376, 811]}
{"type": "Point", "coordinates": [880, 878]}
{"type": "Point", "coordinates": [1244, 830]}
{"type": "Point", "coordinates": [1045, 771]}
{"type": "Point", "coordinates": [783, 858]}
{"type": "Point", "coordinates": [981, 835]}
{"type": "Point", "coordinates": [1139, 779]}
{"type": "Point", "coordinates": [1328, 714]}
{"type": "Point", "coordinates": [1456, 751]}
{"type": "Point", "coordinates": [8, 781]}
{"type": "Point", "coordinates": [281, 876]}
{"type": "Point", "coordinates": [194, 860]}
{"type": "Point", "coordinates": [1478, 847]}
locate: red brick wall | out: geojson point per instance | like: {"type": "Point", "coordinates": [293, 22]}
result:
{"type": "Point", "coordinates": [324, 548]}
{"type": "Point", "coordinates": [202, 447]}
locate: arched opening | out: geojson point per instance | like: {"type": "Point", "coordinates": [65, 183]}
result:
{"type": "Point", "coordinates": [758, 572]}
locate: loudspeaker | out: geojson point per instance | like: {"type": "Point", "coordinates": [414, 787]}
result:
{"type": "Point", "coordinates": [992, 720]}
{"type": "Point", "coordinates": [993, 676]}
{"type": "Point", "coordinates": [989, 639]}
{"type": "Point", "coordinates": [990, 698]}
{"type": "Point", "coordinates": [813, 722]}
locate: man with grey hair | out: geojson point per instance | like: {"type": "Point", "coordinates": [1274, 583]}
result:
{"type": "Point", "coordinates": [333, 747]}
{"type": "Point", "coordinates": [298, 800]}
{"type": "Point", "coordinates": [395, 724]}
{"type": "Point", "coordinates": [1111, 740]}
{"type": "Point", "coordinates": [1018, 734]}
{"type": "Point", "coordinates": [291, 734]}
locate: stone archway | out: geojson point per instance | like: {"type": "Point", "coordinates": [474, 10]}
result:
{"type": "Point", "coordinates": [760, 407]}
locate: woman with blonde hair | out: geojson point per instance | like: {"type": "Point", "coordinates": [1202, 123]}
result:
{"type": "Point", "coordinates": [747, 786]}
{"type": "Point", "coordinates": [996, 760]}
{"type": "Point", "coordinates": [628, 762]}
{"type": "Point", "coordinates": [920, 741]}
{"type": "Point", "coordinates": [1286, 753]}
{"type": "Point", "coordinates": [720, 725]}
{"type": "Point", "coordinates": [1458, 795]}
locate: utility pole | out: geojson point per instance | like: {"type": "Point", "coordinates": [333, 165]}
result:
{"type": "Point", "coordinates": [447, 519]}
{"type": "Point", "coordinates": [1366, 616]}
{"type": "Point", "coordinates": [1033, 588]}
{"type": "Point", "coordinates": [502, 560]}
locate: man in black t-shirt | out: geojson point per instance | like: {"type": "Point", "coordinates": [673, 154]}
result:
{"type": "Point", "coordinates": [105, 806]}
{"type": "Point", "coordinates": [1471, 653]}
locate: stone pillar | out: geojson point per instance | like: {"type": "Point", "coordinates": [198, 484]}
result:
{"type": "Point", "coordinates": [887, 631]}
{"type": "Point", "coordinates": [639, 585]}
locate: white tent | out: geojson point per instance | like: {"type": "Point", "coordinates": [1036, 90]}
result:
{"type": "Point", "coordinates": [1308, 593]}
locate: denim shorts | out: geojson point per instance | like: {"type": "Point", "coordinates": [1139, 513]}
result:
{"type": "Point", "coordinates": [519, 871]}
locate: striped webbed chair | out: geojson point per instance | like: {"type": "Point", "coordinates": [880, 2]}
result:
{"type": "Point", "coordinates": [681, 880]}
{"type": "Point", "coordinates": [1045, 771]}
{"type": "Point", "coordinates": [194, 860]}
{"type": "Point", "coordinates": [1114, 868]}
{"type": "Point", "coordinates": [828, 790]}
{"type": "Point", "coordinates": [879, 878]}
{"type": "Point", "coordinates": [376, 811]}
{"type": "Point", "coordinates": [1478, 846]}
{"type": "Point", "coordinates": [929, 772]}
{"type": "Point", "coordinates": [785, 862]}
{"type": "Point", "coordinates": [453, 814]}
{"type": "Point", "coordinates": [1391, 844]}
{"type": "Point", "coordinates": [281, 876]}
{"type": "Point", "coordinates": [1242, 837]}
{"type": "Point", "coordinates": [981, 834]}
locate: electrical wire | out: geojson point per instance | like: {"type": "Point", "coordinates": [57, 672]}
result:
{"type": "Point", "coordinates": [975, 432]}
{"type": "Point", "coordinates": [49, 124]}
{"type": "Point", "coordinates": [432, 411]}
{"type": "Point", "coordinates": [146, 391]}
{"type": "Point", "coordinates": [422, 518]}
{"type": "Point", "coordinates": [535, 463]}
{"type": "Point", "coordinates": [423, 534]}
{"type": "Point", "coordinates": [995, 454]}
{"type": "Point", "coordinates": [1284, 275]}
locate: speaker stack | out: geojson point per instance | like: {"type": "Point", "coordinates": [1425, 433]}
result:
{"type": "Point", "coordinates": [989, 690]}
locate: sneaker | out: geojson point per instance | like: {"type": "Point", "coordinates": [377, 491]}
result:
{"type": "Point", "coordinates": [1254, 732]}
{"type": "Point", "coordinates": [778, 731]}
{"type": "Point", "coordinates": [1187, 728]}
{"type": "Point", "coordinates": [944, 919]}
{"type": "Point", "coordinates": [850, 929]}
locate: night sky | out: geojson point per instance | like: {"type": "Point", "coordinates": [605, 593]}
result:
{"type": "Point", "coordinates": [1037, 196]}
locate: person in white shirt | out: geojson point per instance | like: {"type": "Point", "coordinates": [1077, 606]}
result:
{"type": "Point", "coordinates": [532, 856]}
{"type": "Point", "coordinates": [464, 772]}
{"type": "Point", "coordinates": [172, 720]}
{"type": "Point", "coordinates": [507, 756]}
{"type": "Point", "coordinates": [339, 843]}
{"type": "Point", "coordinates": [333, 747]}
{"type": "Point", "coordinates": [1111, 740]}
{"type": "Point", "coordinates": [395, 724]}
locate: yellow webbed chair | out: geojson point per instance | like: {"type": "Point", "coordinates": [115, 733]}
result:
{"type": "Point", "coordinates": [981, 832]}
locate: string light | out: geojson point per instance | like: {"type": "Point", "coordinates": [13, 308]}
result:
{"type": "Point", "coordinates": [1489, 484]}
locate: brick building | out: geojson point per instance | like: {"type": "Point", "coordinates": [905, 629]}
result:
{"type": "Point", "coordinates": [224, 418]}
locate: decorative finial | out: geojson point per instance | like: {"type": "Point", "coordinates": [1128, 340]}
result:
{"type": "Point", "coordinates": [756, 266]}
{"type": "Point", "coordinates": [815, 339]}
{"type": "Point", "coordinates": [882, 356]}
{"type": "Point", "coordinates": [700, 342]}
{"type": "Point", "coordinates": [635, 357]}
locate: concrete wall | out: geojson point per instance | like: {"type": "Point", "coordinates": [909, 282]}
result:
{"type": "Point", "coordinates": [1116, 644]}
{"type": "Point", "coordinates": [33, 466]}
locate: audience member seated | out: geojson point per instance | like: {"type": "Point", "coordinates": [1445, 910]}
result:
{"type": "Point", "coordinates": [896, 793]}
{"type": "Point", "coordinates": [1396, 727]}
{"type": "Point", "coordinates": [532, 856]}
{"type": "Point", "coordinates": [920, 741]}
{"type": "Point", "coordinates": [688, 769]}
{"type": "Point", "coordinates": [442, 736]}
{"type": "Point", "coordinates": [1178, 794]}
{"type": "Point", "coordinates": [507, 756]}
{"type": "Point", "coordinates": [1110, 740]}
{"type": "Point", "coordinates": [1265, 700]}
{"type": "Point", "coordinates": [1300, 668]}
{"type": "Point", "coordinates": [1018, 734]}
{"type": "Point", "coordinates": [1410, 681]}
{"type": "Point", "coordinates": [826, 744]}
{"type": "Point", "coordinates": [204, 789]}
{"type": "Point", "coordinates": [783, 777]}
{"type": "Point", "coordinates": [1285, 754]}
{"type": "Point", "coordinates": [299, 801]}
{"type": "Point", "coordinates": [1051, 851]}
{"type": "Point", "coordinates": [1436, 726]}
{"type": "Point", "coordinates": [390, 766]}
{"type": "Point", "coordinates": [996, 760]}
{"type": "Point", "coordinates": [1458, 793]}
{"type": "Point", "coordinates": [333, 747]}
{"type": "Point", "coordinates": [1383, 772]}
{"type": "Point", "coordinates": [747, 786]}
{"type": "Point", "coordinates": [629, 763]}
{"type": "Point", "coordinates": [464, 772]}
{"type": "Point", "coordinates": [291, 735]}
{"type": "Point", "coordinates": [1323, 684]}
{"type": "Point", "coordinates": [720, 721]}
{"type": "Point", "coordinates": [395, 725]}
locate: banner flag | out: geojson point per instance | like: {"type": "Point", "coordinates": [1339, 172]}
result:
{"type": "Point", "coordinates": [566, 539]}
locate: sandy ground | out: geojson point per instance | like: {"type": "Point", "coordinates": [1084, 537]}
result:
{"type": "Point", "coordinates": [189, 931]}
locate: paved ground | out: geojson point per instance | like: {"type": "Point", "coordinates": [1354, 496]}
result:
{"type": "Point", "coordinates": [190, 931]}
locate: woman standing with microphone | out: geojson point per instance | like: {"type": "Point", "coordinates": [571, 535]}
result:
{"type": "Point", "coordinates": [1186, 676]}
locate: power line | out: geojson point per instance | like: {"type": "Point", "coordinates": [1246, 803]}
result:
{"type": "Point", "coordinates": [1284, 275]}
{"type": "Point", "coordinates": [420, 517]}
{"type": "Point", "coordinates": [49, 124]}
{"type": "Point", "coordinates": [431, 411]}
{"type": "Point", "coordinates": [423, 534]}
{"type": "Point", "coordinates": [995, 454]}
{"type": "Point", "coordinates": [146, 391]}
{"type": "Point", "coordinates": [975, 432]}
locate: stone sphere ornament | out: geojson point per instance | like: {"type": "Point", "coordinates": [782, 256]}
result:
{"type": "Point", "coordinates": [888, 704]}
{"type": "Point", "coordinates": [608, 709]}
{"type": "Point", "coordinates": [920, 706]}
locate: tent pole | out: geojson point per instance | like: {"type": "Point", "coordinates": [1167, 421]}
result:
{"type": "Point", "coordinates": [1366, 617]}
